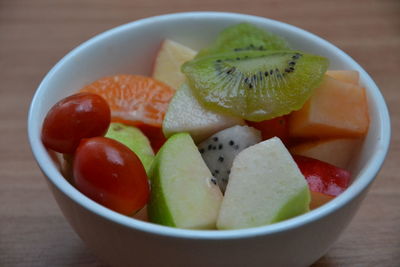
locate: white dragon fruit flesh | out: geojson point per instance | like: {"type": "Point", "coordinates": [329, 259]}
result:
{"type": "Point", "coordinates": [219, 150]}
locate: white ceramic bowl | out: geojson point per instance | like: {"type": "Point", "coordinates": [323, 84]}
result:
{"type": "Point", "coordinates": [124, 241]}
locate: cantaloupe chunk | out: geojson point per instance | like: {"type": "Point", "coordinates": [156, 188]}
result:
{"type": "Point", "coordinates": [348, 76]}
{"type": "Point", "coordinates": [170, 57]}
{"type": "Point", "coordinates": [318, 199]}
{"type": "Point", "coordinates": [337, 152]}
{"type": "Point", "coordinates": [336, 109]}
{"type": "Point", "coordinates": [141, 215]}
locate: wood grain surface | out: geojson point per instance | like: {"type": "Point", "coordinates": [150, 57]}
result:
{"type": "Point", "coordinates": [35, 34]}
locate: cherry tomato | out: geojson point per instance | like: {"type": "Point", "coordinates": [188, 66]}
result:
{"type": "Point", "coordinates": [111, 174]}
{"type": "Point", "coordinates": [273, 127]}
{"type": "Point", "coordinates": [75, 117]}
{"type": "Point", "coordinates": [323, 177]}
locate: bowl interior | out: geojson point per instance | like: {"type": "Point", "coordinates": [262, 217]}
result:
{"type": "Point", "coordinates": [131, 49]}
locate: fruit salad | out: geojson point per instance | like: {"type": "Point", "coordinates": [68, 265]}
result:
{"type": "Point", "coordinates": [246, 132]}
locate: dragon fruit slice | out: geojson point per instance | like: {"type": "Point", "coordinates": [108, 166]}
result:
{"type": "Point", "coordinates": [219, 150]}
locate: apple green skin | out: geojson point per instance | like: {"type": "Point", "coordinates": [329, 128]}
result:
{"type": "Point", "coordinates": [297, 205]}
{"type": "Point", "coordinates": [157, 209]}
{"type": "Point", "coordinates": [182, 192]}
{"type": "Point", "coordinates": [133, 138]}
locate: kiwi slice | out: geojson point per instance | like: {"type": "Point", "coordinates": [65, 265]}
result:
{"type": "Point", "coordinates": [244, 37]}
{"type": "Point", "coordinates": [255, 85]}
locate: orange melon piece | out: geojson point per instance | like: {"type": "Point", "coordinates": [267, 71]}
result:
{"type": "Point", "coordinates": [337, 152]}
{"type": "Point", "coordinates": [318, 199]}
{"type": "Point", "coordinates": [167, 67]}
{"type": "Point", "coordinates": [348, 76]}
{"type": "Point", "coordinates": [336, 109]}
{"type": "Point", "coordinates": [142, 215]}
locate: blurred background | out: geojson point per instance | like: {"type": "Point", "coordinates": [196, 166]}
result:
{"type": "Point", "coordinates": [35, 34]}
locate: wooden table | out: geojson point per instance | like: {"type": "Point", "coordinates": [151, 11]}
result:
{"type": "Point", "coordinates": [35, 34]}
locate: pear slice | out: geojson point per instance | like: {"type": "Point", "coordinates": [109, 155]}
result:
{"type": "Point", "coordinates": [170, 57]}
{"type": "Point", "coordinates": [265, 186]}
{"type": "Point", "coordinates": [133, 138]}
{"type": "Point", "coordinates": [184, 194]}
{"type": "Point", "coordinates": [186, 114]}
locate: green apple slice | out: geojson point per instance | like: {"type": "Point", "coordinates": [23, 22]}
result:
{"type": "Point", "coordinates": [265, 186]}
{"type": "Point", "coordinates": [183, 192]}
{"type": "Point", "coordinates": [185, 114]}
{"type": "Point", "coordinates": [133, 138]}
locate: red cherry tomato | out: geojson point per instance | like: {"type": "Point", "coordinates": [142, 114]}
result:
{"type": "Point", "coordinates": [273, 127]}
{"type": "Point", "coordinates": [111, 174]}
{"type": "Point", "coordinates": [75, 117]}
{"type": "Point", "coordinates": [323, 177]}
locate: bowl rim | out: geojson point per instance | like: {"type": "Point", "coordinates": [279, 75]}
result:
{"type": "Point", "coordinates": [366, 176]}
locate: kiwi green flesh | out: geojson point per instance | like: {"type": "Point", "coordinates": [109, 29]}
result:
{"type": "Point", "coordinates": [244, 37]}
{"type": "Point", "coordinates": [255, 85]}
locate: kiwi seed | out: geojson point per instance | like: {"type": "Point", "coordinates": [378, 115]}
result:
{"type": "Point", "coordinates": [252, 79]}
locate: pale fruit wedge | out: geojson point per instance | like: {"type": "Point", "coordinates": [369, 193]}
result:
{"type": "Point", "coordinates": [348, 76]}
{"type": "Point", "coordinates": [168, 63]}
{"type": "Point", "coordinates": [337, 152]}
{"type": "Point", "coordinates": [133, 138]}
{"type": "Point", "coordinates": [265, 186]}
{"type": "Point", "coordinates": [336, 109]}
{"type": "Point", "coordinates": [66, 166]}
{"type": "Point", "coordinates": [183, 192]}
{"type": "Point", "coordinates": [186, 114]}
